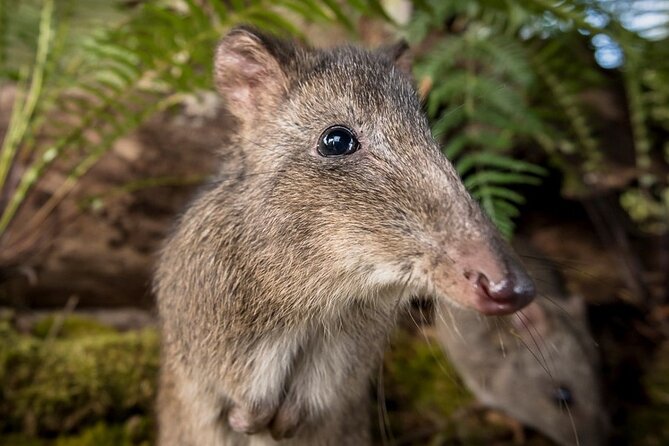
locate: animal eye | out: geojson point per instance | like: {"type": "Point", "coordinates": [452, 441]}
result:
{"type": "Point", "coordinates": [562, 396]}
{"type": "Point", "coordinates": [337, 141]}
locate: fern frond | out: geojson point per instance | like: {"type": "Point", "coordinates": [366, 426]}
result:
{"type": "Point", "coordinates": [489, 180]}
{"type": "Point", "coordinates": [637, 110]}
{"type": "Point", "coordinates": [485, 159]}
{"type": "Point", "coordinates": [162, 51]}
{"type": "Point", "coordinates": [479, 108]}
{"type": "Point", "coordinates": [24, 109]}
{"type": "Point", "coordinates": [565, 95]}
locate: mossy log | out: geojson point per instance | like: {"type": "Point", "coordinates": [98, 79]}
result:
{"type": "Point", "coordinates": [58, 383]}
{"type": "Point", "coordinates": [649, 425]}
{"type": "Point", "coordinates": [74, 382]}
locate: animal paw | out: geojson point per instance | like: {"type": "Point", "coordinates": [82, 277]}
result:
{"type": "Point", "coordinates": [249, 421]}
{"type": "Point", "coordinates": [286, 422]}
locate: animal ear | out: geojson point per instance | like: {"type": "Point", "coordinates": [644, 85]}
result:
{"type": "Point", "coordinates": [248, 71]}
{"type": "Point", "coordinates": [400, 54]}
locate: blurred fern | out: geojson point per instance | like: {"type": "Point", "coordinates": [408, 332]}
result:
{"type": "Point", "coordinates": [646, 78]}
{"type": "Point", "coordinates": [90, 71]}
{"type": "Point", "coordinates": [120, 75]}
{"type": "Point", "coordinates": [479, 106]}
{"type": "Point", "coordinates": [488, 75]}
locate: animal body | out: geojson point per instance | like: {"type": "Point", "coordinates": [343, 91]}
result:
{"type": "Point", "coordinates": [333, 205]}
{"type": "Point", "coordinates": [540, 365]}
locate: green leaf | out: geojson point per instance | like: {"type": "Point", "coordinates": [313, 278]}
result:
{"type": "Point", "coordinates": [499, 192]}
{"type": "Point", "coordinates": [492, 160]}
{"type": "Point", "coordinates": [455, 146]}
{"type": "Point", "coordinates": [499, 178]}
{"type": "Point", "coordinates": [449, 119]}
{"type": "Point", "coordinates": [341, 16]}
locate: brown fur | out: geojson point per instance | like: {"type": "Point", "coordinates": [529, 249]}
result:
{"type": "Point", "coordinates": [281, 282]}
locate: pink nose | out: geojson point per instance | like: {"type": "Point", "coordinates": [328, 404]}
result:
{"type": "Point", "coordinates": [509, 294]}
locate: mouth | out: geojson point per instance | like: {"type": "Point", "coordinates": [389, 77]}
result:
{"type": "Point", "coordinates": [490, 307]}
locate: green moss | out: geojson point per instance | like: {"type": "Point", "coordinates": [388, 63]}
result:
{"type": "Point", "coordinates": [69, 328]}
{"type": "Point", "coordinates": [428, 403]}
{"type": "Point", "coordinates": [59, 385]}
{"type": "Point", "coordinates": [21, 440]}
{"type": "Point", "coordinates": [422, 391]}
{"type": "Point", "coordinates": [98, 435]}
{"type": "Point", "coordinates": [133, 433]}
{"type": "Point", "coordinates": [104, 435]}
{"type": "Point", "coordinates": [656, 380]}
{"type": "Point", "coordinates": [421, 374]}
{"type": "Point", "coordinates": [649, 425]}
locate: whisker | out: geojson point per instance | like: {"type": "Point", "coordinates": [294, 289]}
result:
{"type": "Point", "coordinates": [499, 336]}
{"type": "Point", "coordinates": [573, 424]}
{"type": "Point", "coordinates": [557, 305]}
{"type": "Point", "coordinates": [382, 409]}
{"type": "Point", "coordinates": [565, 264]}
{"type": "Point", "coordinates": [453, 325]}
{"type": "Point", "coordinates": [534, 340]}
{"type": "Point", "coordinates": [547, 347]}
{"type": "Point", "coordinates": [559, 261]}
{"type": "Point", "coordinates": [384, 419]}
{"type": "Point", "coordinates": [430, 346]}
{"type": "Point", "coordinates": [571, 418]}
{"type": "Point", "coordinates": [541, 364]}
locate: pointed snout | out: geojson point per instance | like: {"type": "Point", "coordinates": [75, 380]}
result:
{"type": "Point", "coordinates": [509, 293]}
{"type": "Point", "coordinates": [484, 274]}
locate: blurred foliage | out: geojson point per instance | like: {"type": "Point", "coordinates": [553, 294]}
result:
{"type": "Point", "coordinates": [71, 327]}
{"type": "Point", "coordinates": [649, 425]}
{"type": "Point", "coordinates": [135, 432]}
{"type": "Point", "coordinates": [118, 76]}
{"type": "Point", "coordinates": [478, 103]}
{"type": "Point", "coordinates": [89, 72]}
{"type": "Point", "coordinates": [423, 377]}
{"type": "Point", "coordinates": [489, 72]}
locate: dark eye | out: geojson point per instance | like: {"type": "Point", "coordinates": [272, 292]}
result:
{"type": "Point", "coordinates": [337, 141]}
{"type": "Point", "coordinates": [562, 396]}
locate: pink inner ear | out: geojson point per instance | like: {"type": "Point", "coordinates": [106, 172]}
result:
{"type": "Point", "coordinates": [246, 79]}
{"type": "Point", "coordinates": [243, 74]}
{"type": "Point", "coordinates": [240, 94]}
{"type": "Point", "coordinates": [239, 67]}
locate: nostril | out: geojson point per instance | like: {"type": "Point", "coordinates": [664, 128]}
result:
{"type": "Point", "coordinates": [502, 290]}
{"type": "Point", "coordinates": [496, 285]}
{"type": "Point", "coordinates": [506, 290]}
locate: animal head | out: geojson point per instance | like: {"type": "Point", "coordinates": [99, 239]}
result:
{"type": "Point", "coordinates": [540, 366]}
{"type": "Point", "coordinates": [354, 187]}
{"type": "Point", "coordinates": [560, 389]}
